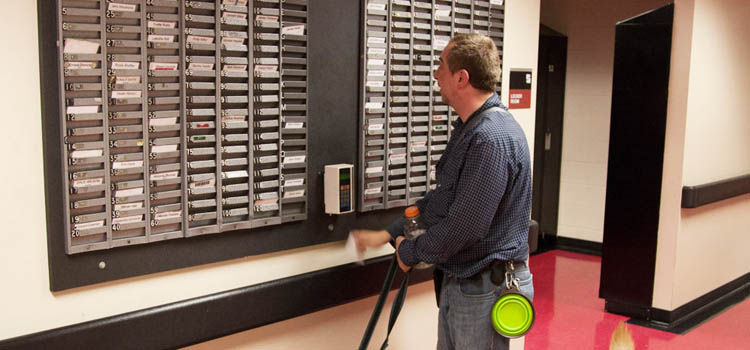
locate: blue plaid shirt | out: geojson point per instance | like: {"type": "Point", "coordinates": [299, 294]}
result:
{"type": "Point", "coordinates": [480, 208]}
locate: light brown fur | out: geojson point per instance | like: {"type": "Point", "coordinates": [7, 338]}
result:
{"type": "Point", "coordinates": [621, 338]}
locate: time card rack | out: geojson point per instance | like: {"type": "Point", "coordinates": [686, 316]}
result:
{"type": "Point", "coordinates": [405, 127]}
{"type": "Point", "coordinates": [181, 118]}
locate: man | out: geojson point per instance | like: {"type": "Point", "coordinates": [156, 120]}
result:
{"type": "Point", "coordinates": [477, 217]}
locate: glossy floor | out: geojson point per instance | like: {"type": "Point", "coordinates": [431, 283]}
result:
{"type": "Point", "coordinates": [570, 314]}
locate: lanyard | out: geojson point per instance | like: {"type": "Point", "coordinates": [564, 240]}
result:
{"type": "Point", "coordinates": [473, 121]}
{"type": "Point", "coordinates": [464, 130]}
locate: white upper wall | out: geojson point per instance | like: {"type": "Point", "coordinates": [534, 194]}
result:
{"type": "Point", "coordinates": [674, 147]}
{"type": "Point", "coordinates": [718, 119]}
{"type": "Point", "coordinates": [708, 139]}
{"type": "Point", "coordinates": [590, 28]}
{"type": "Point", "coordinates": [520, 52]}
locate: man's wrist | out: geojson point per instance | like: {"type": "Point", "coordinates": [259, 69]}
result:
{"type": "Point", "coordinates": [405, 267]}
{"type": "Point", "coordinates": [405, 249]}
{"type": "Point", "coordinates": [398, 240]}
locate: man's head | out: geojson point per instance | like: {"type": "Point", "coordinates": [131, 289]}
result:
{"type": "Point", "coordinates": [468, 58]}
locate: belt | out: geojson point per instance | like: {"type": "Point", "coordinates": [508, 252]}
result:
{"type": "Point", "coordinates": [497, 270]}
{"type": "Point", "coordinates": [496, 267]}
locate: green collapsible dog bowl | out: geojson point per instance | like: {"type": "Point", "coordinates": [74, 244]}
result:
{"type": "Point", "coordinates": [512, 315]}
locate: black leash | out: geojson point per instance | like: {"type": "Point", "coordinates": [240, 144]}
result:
{"type": "Point", "coordinates": [398, 303]}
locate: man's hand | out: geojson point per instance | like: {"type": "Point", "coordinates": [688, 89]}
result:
{"type": "Point", "coordinates": [366, 239]}
{"type": "Point", "coordinates": [401, 264]}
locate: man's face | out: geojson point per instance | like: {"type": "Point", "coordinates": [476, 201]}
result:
{"type": "Point", "coordinates": [444, 76]}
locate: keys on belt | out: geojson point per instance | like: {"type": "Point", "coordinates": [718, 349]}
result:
{"type": "Point", "coordinates": [497, 270]}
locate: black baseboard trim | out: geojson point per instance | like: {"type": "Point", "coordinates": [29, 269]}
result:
{"type": "Point", "coordinates": [578, 246]}
{"type": "Point", "coordinates": [637, 312]}
{"type": "Point", "coordinates": [696, 196]}
{"type": "Point", "coordinates": [212, 316]}
{"type": "Point", "coordinates": [692, 314]}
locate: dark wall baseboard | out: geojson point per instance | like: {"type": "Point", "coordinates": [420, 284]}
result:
{"type": "Point", "coordinates": [573, 245]}
{"type": "Point", "coordinates": [208, 317]}
{"type": "Point", "coordinates": [696, 196]}
{"type": "Point", "coordinates": [690, 315]}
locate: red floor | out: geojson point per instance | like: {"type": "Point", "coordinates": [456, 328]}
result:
{"type": "Point", "coordinates": [570, 314]}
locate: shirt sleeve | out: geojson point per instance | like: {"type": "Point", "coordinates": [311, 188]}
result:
{"type": "Point", "coordinates": [479, 190]}
{"type": "Point", "coordinates": [396, 228]}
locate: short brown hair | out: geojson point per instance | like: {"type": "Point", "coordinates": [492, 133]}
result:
{"type": "Point", "coordinates": [478, 55]}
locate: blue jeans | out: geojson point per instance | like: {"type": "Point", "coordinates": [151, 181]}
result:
{"type": "Point", "coordinates": [465, 307]}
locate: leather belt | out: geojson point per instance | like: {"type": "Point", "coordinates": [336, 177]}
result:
{"type": "Point", "coordinates": [497, 271]}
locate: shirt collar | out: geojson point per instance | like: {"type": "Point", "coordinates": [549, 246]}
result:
{"type": "Point", "coordinates": [492, 101]}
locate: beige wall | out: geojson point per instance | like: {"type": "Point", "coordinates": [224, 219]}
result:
{"type": "Point", "coordinates": [674, 146]}
{"type": "Point", "coordinates": [718, 119]}
{"type": "Point", "coordinates": [707, 140]}
{"type": "Point", "coordinates": [26, 299]}
{"type": "Point", "coordinates": [342, 327]}
{"type": "Point", "coordinates": [590, 28]}
{"type": "Point", "coordinates": [520, 52]}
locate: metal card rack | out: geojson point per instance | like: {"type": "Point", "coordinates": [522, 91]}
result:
{"type": "Point", "coordinates": [294, 96]}
{"type": "Point", "coordinates": [181, 118]}
{"type": "Point", "coordinates": [405, 127]}
{"type": "Point", "coordinates": [164, 48]}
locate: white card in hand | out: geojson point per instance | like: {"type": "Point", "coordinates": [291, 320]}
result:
{"type": "Point", "coordinates": [351, 250]}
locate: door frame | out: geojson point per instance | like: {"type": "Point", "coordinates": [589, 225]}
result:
{"type": "Point", "coordinates": [548, 147]}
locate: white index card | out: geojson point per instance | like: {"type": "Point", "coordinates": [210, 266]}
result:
{"type": "Point", "coordinates": [80, 46]}
{"type": "Point", "coordinates": [298, 29]}
{"type": "Point", "coordinates": [82, 109]}
{"type": "Point", "coordinates": [163, 148]}
{"type": "Point", "coordinates": [129, 192]}
{"type": "Point", "coordinates": [113, 6]}
{"type": "Point", "coordinates": [162, 24]}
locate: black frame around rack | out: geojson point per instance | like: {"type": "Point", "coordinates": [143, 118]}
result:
{"type": "Point", "coordinates": [329, 138]}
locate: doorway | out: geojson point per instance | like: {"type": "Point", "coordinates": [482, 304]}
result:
{"type": "Point", "coordinates": [553, 49]}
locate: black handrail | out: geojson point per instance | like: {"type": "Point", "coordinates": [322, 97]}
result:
{"type": "Point", "coordinates": [696, 196]}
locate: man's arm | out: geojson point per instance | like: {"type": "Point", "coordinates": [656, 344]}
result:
{"type": "Point", "coordinates": [396, 228]}
{"type": "Point", "coordinates": [478, 193]}
{"type": "Point", "coordinates": [365, 239]}
{"type": "Point", "coordinates": [401, 264]}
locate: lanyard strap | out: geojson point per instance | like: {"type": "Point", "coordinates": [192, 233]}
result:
{"type": "Point", "coordinates": [474, 120]}
{"type": "Point", "coordinates": [398, 303]}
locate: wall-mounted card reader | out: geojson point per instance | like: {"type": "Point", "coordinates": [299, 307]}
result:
{"type": "Point", "coordinates": [339, 188]}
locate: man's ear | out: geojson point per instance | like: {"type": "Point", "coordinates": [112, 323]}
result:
{"type": "Point", "coordinates": [463, 77]}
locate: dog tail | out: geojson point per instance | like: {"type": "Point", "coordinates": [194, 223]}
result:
{"type": "Point", "coordinates": [621, 338]}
